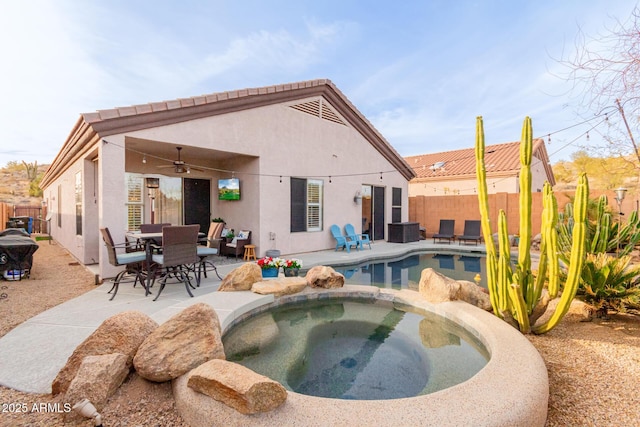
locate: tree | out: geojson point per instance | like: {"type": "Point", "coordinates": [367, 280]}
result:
{"type": "Point", "coordinates": [605, 72]}
{"type": "Point", "coordinates": [32, 170]}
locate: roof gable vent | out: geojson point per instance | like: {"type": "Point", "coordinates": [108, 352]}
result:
{"type": "Point", "coordinates": [320, 109]}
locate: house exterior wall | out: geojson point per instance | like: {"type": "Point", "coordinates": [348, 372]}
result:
{"type": "Point", "coordinates": [60, 197]}
{"type": "Point", "coordinates": [452, 187]}
{"type": "Point", "coordinates": [276, 143]}
{"type": "Point", "coordinates": [505, 183]}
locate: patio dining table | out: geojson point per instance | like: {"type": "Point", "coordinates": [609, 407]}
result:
{"type": "Point", "coordinates": [148, 239]}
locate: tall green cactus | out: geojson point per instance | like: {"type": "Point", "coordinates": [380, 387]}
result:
{"type": "Point", "coordinates": [517, 296]}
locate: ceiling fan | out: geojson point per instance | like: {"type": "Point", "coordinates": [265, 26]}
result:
{"type": "Point", "coordinates": [179, 166]}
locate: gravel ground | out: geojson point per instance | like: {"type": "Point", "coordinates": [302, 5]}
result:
{"type": "Point", "coordinates": [594, 367]}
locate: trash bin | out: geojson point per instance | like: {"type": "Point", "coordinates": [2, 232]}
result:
{"type": "Point", "coordinates": [30, 225]}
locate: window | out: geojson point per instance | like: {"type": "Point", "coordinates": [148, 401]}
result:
{"type": "Point", "coordinates": [306, 204]}
{"type": "Point", "coordinates": [396, 204]}
{"type": "Point", "coordinates": [134, 201]}
{"type": "Point", "coordinates": [78, 199]}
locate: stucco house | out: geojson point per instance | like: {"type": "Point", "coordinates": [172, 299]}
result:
{"type": "Point", "coordinates": [301, 154]}
{"type": "Point", "coordinates": [454, 172]}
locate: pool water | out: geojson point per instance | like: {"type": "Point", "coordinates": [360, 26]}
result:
{"type": "Point", "coordinates": [355, 349]}
{"type": "Point", "coordinates": [404, 273]}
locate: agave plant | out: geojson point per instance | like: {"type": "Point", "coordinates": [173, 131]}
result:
{"type": "Point", "coordinates": [609, 283]}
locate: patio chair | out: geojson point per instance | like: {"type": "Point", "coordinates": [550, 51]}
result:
{"type": "Point", "coordinates": [362, 239]}
{"type": "Point", "coordinates": [214, 236]}
{"type": "Point", "coordinates": [179, 255]}
{"type": "Point", "coordinates": [236, 246]}
{"type": "Point", "coordinates": [471, 232]}
{"type": "Point", "coordinates": [203, 255]}
{"type": "Point", "coordinates": [446, 231]}
{"type": "Point", "coordinates": [156, 244]}
{"type": "Point", "coordinates": [342, 241]}
{"type": "Point", "coordinates": [131, 260]}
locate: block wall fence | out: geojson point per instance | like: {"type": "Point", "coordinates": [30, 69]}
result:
{"type": "Point", "coordinates": [429, 210]}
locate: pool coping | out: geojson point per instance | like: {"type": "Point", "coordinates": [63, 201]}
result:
{"type": "Point", "coordinates": [511, 390]}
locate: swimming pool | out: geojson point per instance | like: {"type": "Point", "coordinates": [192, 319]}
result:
{"type": "Point", "coordinates": [404, 272]}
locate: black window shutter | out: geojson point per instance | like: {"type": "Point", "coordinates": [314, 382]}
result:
{"type": "Point", "coordinates": [298, 204]}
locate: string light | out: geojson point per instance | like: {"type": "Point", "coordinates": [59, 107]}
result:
{"type": "Point", "coordinates": [144, 159]}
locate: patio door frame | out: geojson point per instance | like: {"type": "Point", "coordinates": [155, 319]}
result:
{"type": "Point", "coordinates": [373, 211]}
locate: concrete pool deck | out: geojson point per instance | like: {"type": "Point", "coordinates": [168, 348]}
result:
{"type": "Point", "coordinates": [511, 390]}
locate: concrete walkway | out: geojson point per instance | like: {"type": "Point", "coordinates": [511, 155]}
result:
{"type": "Point", "coordinates": [34, 352]}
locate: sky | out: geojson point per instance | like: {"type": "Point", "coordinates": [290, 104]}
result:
{"type": "Point", "coordinates": [420, 71]}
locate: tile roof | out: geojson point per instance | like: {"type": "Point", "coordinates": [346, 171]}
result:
{"type": "Point", "coordinates": [91, 127]}
{"type": "Point", "coordinates": [499, 159]}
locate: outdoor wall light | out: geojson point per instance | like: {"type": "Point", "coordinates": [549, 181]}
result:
{"type": "Point", "coordinates": [357, 199]}
{"type": "Point", "coordinates": [620, 193]}
{"type": "Point", "coordinates": [152, 182]}
{"type": "Point", "coordinates": [87, 410]}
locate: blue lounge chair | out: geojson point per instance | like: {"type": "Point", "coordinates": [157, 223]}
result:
{"type": "Point", "coordinates": [362, 239]}
{"type": "Point", "coordinates": [342, 241]}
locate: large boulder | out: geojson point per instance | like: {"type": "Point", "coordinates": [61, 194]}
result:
{"type": "Point", "coordinates": [280, 286]}
{"type": "Point", "coordinates": [238, 387]}
{"type": "Point", "coordinates": [183, 342]}
{"type": "Point", "coordinates": [474, 294]}
{"type": "Point", "coordinates": [436, 287]}
{"type": "Point", "coordinates": [122, 333]}
{"type": "Point", "coordinates": [324, 277]}
{"type": "Point", "coordinates": [241, 278]}
{"type": "Point", "coordinates": [97, 379]}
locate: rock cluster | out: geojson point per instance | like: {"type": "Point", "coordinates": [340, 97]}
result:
{"type": "Point", "coordinates": [189, 344]}
{"type": "Point", "coordinates": [122, 333]}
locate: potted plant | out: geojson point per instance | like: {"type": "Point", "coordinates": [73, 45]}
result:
{"type": "Point", "coordinates": [270, 266]}
{"type": "Point", "coordinates": [291, 267]}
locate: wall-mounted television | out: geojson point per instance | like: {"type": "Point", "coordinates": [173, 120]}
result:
{"type": "Point", "coordinates": [229, 189]}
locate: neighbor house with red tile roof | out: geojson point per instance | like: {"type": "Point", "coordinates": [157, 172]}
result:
{"type": "Point", "coordinates": [454, 172]}
{"type": "Point", "coordinates": [303, 156]}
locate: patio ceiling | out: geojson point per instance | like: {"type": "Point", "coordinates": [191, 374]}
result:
{"type": "Point", "coordinates": [158, 154]}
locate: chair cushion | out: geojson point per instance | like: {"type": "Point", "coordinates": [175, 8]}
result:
{"type": "Point", "coordinates": [204, 251]}
{"type": "Point", "coordinates": [131, 257]}
{"type": "Point", "coordinates": [232, 244]}
{"type": "Point", "coordinates": [158, 258]}
{"type": "Point", "coordinates": [243, 235]}
{"type": "Point", "coordinates": [224, 233]}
